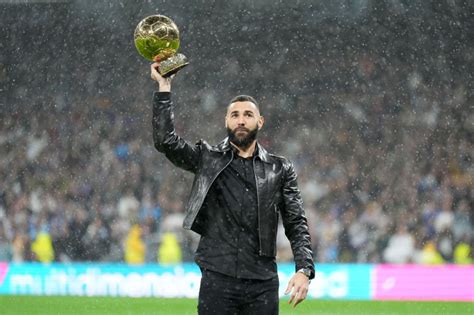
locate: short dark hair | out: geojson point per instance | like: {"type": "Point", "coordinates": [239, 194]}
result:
{"type": "Point", "coordinates": [244, 98]}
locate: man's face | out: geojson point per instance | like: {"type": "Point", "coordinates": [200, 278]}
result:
{"type": "Point", "coordinates": [243, 121]}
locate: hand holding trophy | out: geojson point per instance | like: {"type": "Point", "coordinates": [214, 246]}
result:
{"type": "Point", "coordinates": [157, 39]}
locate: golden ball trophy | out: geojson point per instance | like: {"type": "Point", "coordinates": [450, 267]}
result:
{"type": "Point", "coordinates": [157, 39]}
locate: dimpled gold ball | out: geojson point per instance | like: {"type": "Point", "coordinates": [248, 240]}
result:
{"type": "Point", "coordinates": [156, 38]}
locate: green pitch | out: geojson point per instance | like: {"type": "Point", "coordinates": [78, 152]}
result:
{"type": "Point", "coordinates": [30, 305]}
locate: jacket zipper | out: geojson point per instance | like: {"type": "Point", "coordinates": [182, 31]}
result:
{"type": "Point", "coordinates": [258, 210]}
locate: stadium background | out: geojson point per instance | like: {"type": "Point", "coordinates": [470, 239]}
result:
{"type": "Point", "coordinates": [372, 100]}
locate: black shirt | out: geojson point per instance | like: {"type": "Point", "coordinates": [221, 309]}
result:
{"type": "Point", "coordinates": [230, 242]}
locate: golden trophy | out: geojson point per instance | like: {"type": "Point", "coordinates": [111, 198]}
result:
{"type": "Point", "coordinates": [157, 39]}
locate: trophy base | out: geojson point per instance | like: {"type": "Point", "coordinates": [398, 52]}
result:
{"type": "Point", "coordinates": [173, 64]}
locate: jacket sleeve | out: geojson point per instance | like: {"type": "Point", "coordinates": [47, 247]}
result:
{"type": "Point", "coordinates": [177, 150]}
{"type": "Point", "coordinates": [294, 221]}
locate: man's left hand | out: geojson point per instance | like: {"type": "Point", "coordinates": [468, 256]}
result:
{"type": "Point", "coordinates": [298, 285]}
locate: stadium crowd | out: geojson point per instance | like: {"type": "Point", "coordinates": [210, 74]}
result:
{"type": "Point", "coordinates": [375, 114]}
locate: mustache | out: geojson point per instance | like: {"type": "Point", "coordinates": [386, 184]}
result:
{"type": "Point", "coordinates": [241, 129]}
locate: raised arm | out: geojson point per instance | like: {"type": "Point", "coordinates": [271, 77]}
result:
{"type": "Point", "coordinates": [177, 150]}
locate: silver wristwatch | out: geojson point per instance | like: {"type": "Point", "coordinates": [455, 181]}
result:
{"type": "Point", "coordinates": [305, 271]}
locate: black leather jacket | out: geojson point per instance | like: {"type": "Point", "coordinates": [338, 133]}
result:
{"type": "Point", "coordinates": [277, 190]}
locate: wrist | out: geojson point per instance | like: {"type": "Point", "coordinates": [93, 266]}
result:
{"type": "Point", "coordinates": [164, 87]}
{"type": "Point", "coordinates": [305, 271]}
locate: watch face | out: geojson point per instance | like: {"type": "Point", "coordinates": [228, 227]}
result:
{"type": "Point", "coordinates": [306, 272]}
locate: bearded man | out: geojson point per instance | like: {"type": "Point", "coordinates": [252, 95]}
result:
{"type": "Point", "coordinates": [238, 194]}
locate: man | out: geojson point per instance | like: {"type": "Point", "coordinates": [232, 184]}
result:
{"type": "Point", "coordinates": [239, 190]}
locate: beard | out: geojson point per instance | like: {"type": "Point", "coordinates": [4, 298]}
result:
{"type": "Point", "coordinates": [242, 142]}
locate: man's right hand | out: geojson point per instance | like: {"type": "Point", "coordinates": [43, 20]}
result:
{"type": "Point", "coordinates": [164, 83]}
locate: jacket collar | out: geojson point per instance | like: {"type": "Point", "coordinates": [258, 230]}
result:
{"type": "Point", "coordinates": [225, 145]}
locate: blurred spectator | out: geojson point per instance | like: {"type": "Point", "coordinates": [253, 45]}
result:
{"type": "Point", "coordinates": [42, 247]}
{"type": "Point", "coordinates": [463, 253]}
{"type": "Point", "coordinates": [327, 238]}
{"type": "Point", "coordinates": [401, 246]}
{"type": "Point", "coordinates": [462, 226]}
{"type": "Point", "coordinates": [445, 244]}
{"type": "Point", "coordinates": [97, 237]}
{"type": "Point", "coordinates": [134, 246]}
{"type": "Point", "coordinates": [75, 247]}
{"type": "Point", "coordinates": [429, 255]}
{"type": "Point", "coordinates": [169, 251]}
{"type": "Point", "coordinates": [21, 248]}
{"type": "Point", "coordinates": [5, 245]}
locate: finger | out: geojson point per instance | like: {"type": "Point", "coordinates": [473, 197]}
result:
{"type": "Point", "coordinates": [301, 296]}
{"type": "Point", "coordinates": [297, 301]}
{"type": "Point", "coordinates": [154, 68]}
{"type": "Point", "coordinates": [153, 72]}
{"type": "Point", "coordinates": [293, 296]}
{"type": "Point", "coordinates": [288, 288]}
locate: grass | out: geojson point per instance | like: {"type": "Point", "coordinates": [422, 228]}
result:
{"type": "Point", "coordinates": [34, 305]}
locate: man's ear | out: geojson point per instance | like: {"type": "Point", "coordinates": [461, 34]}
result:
{"type": "Point", "coordinates": [261, 122]}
